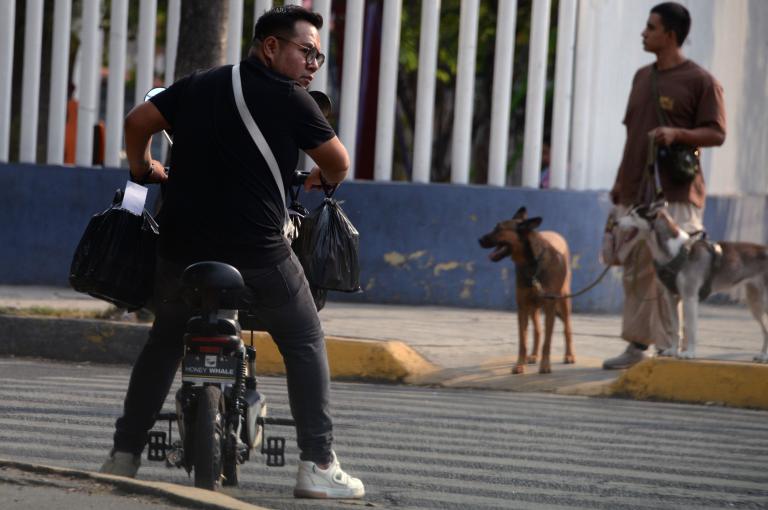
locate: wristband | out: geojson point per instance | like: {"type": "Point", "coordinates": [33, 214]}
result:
{"type": "Point", "coordinates": [144, 178]}
{"type": "Point", "coordinates": [328, 188]}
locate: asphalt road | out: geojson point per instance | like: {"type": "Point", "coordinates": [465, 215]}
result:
{"type": "Point", "coordinates": [425, 448]}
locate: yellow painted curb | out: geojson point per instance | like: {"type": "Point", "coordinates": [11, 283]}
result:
{"type": "Point", "coordinates": [588, 389]}
{"type": "Point", "coordinates": [737, 384]}
{"type": "Point", "coordinates": [349, 358]}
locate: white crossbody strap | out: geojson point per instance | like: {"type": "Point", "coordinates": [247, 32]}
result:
{"type": "Point", "coordinates": [261, 144]}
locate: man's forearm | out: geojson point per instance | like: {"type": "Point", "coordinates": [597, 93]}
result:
{"type": "Point", "coordinates": [700, 137]}
{"type": "Point", "coordinates": [138, 154]}
{"type": "Point", "coordinates": [137, 139]}
{"type": "Point", "coordinates": [334, 176]}
{"type": "Point", "coordinates": [141, 123]}
{"type": "Point", "coordinates": [332, 159]}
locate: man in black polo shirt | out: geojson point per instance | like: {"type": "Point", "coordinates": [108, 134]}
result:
{"type": "Point", "coordinates": [222, 203]}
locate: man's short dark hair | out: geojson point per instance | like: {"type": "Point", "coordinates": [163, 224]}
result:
{"type": "Point", "coordinates": [281, 21]}
{"type": "Point", "coordinates": [674, 17]}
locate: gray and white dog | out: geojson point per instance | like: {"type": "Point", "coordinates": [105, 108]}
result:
{"type": "Point", "coordinates": [692, 268]}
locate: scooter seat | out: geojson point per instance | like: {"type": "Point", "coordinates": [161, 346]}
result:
{"type": "Point", "coordinates": [212, 285]}
{"type": "Point", "coordinates": [212, 276]}
{"type": "Point", "coordinates": [201, 326]}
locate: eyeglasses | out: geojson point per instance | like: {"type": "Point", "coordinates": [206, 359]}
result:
{"type": "Point", "coordinates": [310, 52]}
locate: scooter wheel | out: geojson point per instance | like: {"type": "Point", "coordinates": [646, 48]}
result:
{"type": "Point", "coordinates": [231, 467]}
{"type": "Point", "coordinates": [208, 434]}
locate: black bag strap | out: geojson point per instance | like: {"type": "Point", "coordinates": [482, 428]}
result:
{"type": "Point", "coordinates": [650, 187]}
{"type": "Point", "coordinates": [661, 114]}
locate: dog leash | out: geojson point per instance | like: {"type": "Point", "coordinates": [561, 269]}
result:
{"type": "Point", "coordinates": [579, 293]}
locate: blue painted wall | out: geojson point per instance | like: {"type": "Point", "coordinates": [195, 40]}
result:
{"type": "Point", "coordinates": [418, 242]}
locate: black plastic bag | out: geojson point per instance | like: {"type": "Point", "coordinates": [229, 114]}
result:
{"type": "Point", "coordinates": [319, 296]}
{"type": "Point", "coordinates": [296, 213]}
{"type": "Point", "coordinates": [328, 246]}
{"type": "Point", "coordinates": [115, 259]}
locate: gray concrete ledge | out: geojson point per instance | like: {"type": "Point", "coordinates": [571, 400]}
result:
{"type": "Point", "coordinates": [190, 497]}
{"type": "Point", "coordinates": [101, 341]}
{"type": "Point", "coordinates": [97, 341]}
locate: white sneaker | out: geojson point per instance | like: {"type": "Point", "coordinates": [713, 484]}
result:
{"type": "Point", "coordinates": [313, 482]}
{"type": "Point", "coordinates": [121, 464]}
{"type": "Point", "coordinates": [626, 359]}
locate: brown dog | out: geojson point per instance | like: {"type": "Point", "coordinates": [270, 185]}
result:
{"type": "Point", "coordinates": [542, 269]}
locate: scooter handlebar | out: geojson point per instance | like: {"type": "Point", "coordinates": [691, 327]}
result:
{"type": "Point", "coordinates": [299, 177]}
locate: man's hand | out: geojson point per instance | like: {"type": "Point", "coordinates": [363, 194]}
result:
{"type": "Point", "coordinates": [151, 173]}
{"type": "Point", "coordinates": [315, 180]}
{"type": "Point", "coordinates": [665, 135]}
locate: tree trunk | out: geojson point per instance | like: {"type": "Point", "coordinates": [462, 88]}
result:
{"type": "Point", "coordinates": [17, 82]}
{"type": "Point", "coordinates": [202, 36]}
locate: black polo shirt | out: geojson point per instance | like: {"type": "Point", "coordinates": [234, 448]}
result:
{"type": "Point", "coordinates": [221, 201]}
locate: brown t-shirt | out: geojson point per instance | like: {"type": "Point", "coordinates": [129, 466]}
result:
{"type": "Point", "coordinates": [691, 98]}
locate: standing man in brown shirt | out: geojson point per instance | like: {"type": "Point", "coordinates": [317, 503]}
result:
{"type": "Point", "coordinates": [692, 100]}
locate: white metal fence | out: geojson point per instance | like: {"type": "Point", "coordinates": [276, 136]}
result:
{"type": "Point", "coordinates": [88, 77]}
{"type": "Point", "coordinates": [598, 50]}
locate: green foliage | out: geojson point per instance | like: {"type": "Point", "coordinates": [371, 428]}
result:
{"type": "Point", "coordinates": [450, 13]}
{"type": "Point", "coordinates": [448, 42]}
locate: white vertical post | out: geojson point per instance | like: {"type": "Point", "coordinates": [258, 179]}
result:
{"type": "Point", "coordinates": [171, 48]}
{"type": "Point", "coordinates": [30, 92]}
{"type": "Point", "coordinates": [534, 101]}
{"type": "Point", "coordinates": [145, 58]}
{"type": "Point", "coordinates": [502, 90]}
{"type": "Point", "coordinates": [57, 113]}
{"type": "Point", "coordinates": [385, 118]}
{"type": "Point", "coordinates": [323, 8]}
{"type": "Point", "coordinates": [599, 16]}
{"type": "Point", "coordinates": [465, 92]}
{"type": "Point", "coordinates": [320, 82]}
{"type": "Point", "coordinates": [118, 35]}
{"type": "Point", "coordinates": [582, 96]}
{"type": "Point", "coordinates": [7, 21]}
{"type": "Point", "coordinates": [350, 77]}
{"type": "Point", "coordinates": [88, 97]}
{"type": "Point", "coordinates": [425, 90]}
{"type": "Point", "coordinates": [234, 31]}
{"type": "Point", "coordinates": [259, 8]}
{"type": "Point", "coordinates": [561, 113]}
{"type": "Point", "coordinates": [172, 41]}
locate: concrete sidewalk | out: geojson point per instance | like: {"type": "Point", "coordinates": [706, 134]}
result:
{"type": "Point", "coordinates": [469, 347]}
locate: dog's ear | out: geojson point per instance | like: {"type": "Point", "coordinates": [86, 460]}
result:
{"type": "Point", "coordinates": [529, 224]}
{"type": "Point", "coordinates": [640, 210]}
{"type": "Point", "coordinates": [650, 211]}
{"type": "Point", "coordinates": [521, 214]}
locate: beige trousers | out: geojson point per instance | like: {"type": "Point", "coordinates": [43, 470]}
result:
{"type": "Point", "coordinates": [651, 313]}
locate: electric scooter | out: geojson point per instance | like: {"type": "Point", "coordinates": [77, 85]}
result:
{"type": "Point", "coordinates": [220, 414]}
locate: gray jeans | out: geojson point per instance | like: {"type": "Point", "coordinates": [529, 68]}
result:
{"type": "Point", "coordinates": [280, 302]}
